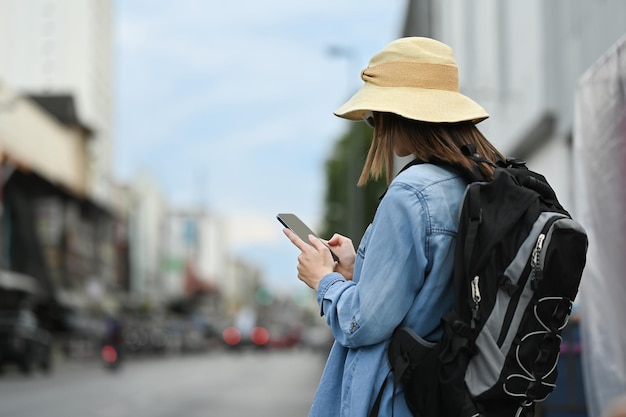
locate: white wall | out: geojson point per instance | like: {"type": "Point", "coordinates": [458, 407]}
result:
{"type": "Point", "coordinates": [214, 249]}
{"type": "Point", "coordinates": [521, 61]}
{"type": "Point", "coordinates": [207, 252]}
{"type": "Point", "coordinates": [498, 47]}
{"type": "Point", "coordinates": [65, 46]}
{"type": "Point", "coordinates": [146, 239]}
{"type": "Point", "coordinates": [31, 137]}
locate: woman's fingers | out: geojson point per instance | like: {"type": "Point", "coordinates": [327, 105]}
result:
{"type": "Point", "coordinates": [299, 243]}
{"type": "Point", "coordinates": [317, 243]}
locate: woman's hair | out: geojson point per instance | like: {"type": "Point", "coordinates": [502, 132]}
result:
{"type": "Point", "coordinates": [427, 142]}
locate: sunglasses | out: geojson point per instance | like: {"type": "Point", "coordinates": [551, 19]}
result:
{"type": "Point", "coordinates": [369, 119]}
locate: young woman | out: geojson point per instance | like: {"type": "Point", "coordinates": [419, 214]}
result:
{"type": "Point", "coordinates": [401, 273]}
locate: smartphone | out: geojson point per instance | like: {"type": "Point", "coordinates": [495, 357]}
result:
{"type": "Point", "coordinates": [293, 222]}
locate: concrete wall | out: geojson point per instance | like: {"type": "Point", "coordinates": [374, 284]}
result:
{"type": "Point", "coordinates": [66, 47]}
{"type": "Point", "coordinates": [29, 136]}
{"type": "Point", "coordinates": [146, 226]}
{"type": "Point", "coordinates": [522, 61]}
{"type": "Point", "coordinates": [196, 238]}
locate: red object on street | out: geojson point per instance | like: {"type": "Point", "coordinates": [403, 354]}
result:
{"type": "Point", "coordinates": [231, 336]}
{"type": "Point", "coordinates": [109, 354]}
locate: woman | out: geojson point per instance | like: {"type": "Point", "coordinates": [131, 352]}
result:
{"type": "Point", "coordinates": [402, 271]}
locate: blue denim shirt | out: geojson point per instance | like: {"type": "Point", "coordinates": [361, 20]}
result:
{"type": "Point", "coordinates": [402, 275]}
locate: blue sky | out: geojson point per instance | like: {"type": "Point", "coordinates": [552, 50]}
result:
{"type": "Point", "coordinates": [229, 105]}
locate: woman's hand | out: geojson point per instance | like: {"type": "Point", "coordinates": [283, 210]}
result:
{"type": "Point", "coordinates": [344, 249]}
{"type": "Point", "coordinates": [314, 262]}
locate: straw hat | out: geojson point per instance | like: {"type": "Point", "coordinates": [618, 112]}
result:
{"type": "Point", "coordinates": [416, 78]}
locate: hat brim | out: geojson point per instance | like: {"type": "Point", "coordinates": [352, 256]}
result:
{"type": "Point", "coordinates": [423, 104]}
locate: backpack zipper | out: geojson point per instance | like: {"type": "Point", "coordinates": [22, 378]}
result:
{"type": "Point", "coordinates": [534, 261]}
{"type": "Point", "coordinates": [533, 272]}
{"type": "Point", "coordinates": [476, 298]}
{"type": "Point", "coordinates": [537, 250]}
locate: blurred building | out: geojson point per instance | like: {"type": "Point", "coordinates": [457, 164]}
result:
{"type": "Point", "coordinates": [146, 230]}
{"type": "Point", "coordinates": [65, 47]}
{"type": "Point", "coordinates": [59, 221]}
{"type": "Point", "coordinates": [51, 230]}
{"type": "Point", "coordinates": [92, 244]}
{"type": "Point", "coordinates": [240, 289]}
{"type": "Point", "coordinates": [195, 259]}
{"type": "Point", "coordinates": [600, 176]}
{"type": "Point", "coordinates": [196, 248]}
{"type": "Point", "coordinates": [521, 61]}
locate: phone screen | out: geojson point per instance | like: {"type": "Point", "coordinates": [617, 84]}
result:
{"type": "Point", "coordinates": [293, 222]}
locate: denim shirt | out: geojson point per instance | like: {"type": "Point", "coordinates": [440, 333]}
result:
{"type": "Point", "coordinates": [402, 275]}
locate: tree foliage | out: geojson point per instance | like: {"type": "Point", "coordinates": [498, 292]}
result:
{"type": "Point", "coordinates": [348, 208]}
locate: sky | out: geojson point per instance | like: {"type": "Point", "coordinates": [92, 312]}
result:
{"type": "Point", "coordinates": [228, 106]}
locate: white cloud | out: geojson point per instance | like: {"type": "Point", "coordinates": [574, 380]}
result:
{"type": "Point", "coordinates": [252, 229]}
{"type": "Point", "coordinates": [231, 106]}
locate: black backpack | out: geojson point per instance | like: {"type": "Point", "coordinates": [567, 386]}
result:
{"type": "Point", "coordinates": [518, 264]}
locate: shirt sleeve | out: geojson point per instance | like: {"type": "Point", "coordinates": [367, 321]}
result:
{"type": "Point", "coordinates": [395, 261]}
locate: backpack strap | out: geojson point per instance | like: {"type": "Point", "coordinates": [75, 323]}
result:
{"type": "Point", "coordinates": [398, 355]}
{"type": "Point", "coordinates": [459, 347]}
{"type": "Point", "coordinates": [379, 397]}
{"type": "Point", "coordinates": [470, 176]}
{"type": "Point", "coordinates": [409, 356]}
{"type": "Point", "coordinates": [470, 150]}
{"type": "Point", "coordinates": [475, 219]}
{"type": "Point", "coordinates": [407, 166]}
{"type": "Point", "coordinates": [376, 405]}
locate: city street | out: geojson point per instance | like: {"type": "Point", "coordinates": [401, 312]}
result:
{"type": "Point", "coordinates": [217, 384]}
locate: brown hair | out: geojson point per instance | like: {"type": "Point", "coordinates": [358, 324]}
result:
{"type": "Point", "coordinates": [442, 141]}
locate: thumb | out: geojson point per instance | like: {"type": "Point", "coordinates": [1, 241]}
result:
{"type": "Point", "coordinates": [335, 240]}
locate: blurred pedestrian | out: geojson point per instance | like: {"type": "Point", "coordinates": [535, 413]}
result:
{"type": "Point", "coordinates": [112, 341]}
{"type": "Point", "coordinates": [113, 330]}
{"type": "Point", "coordinates": [401, 273]}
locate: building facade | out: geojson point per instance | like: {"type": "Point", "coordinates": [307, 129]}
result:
{"type": "Point", "coordinates": [59, 225]}
{"type": "Point", "coordinates": [524, 61]}
{"type": "Point", "coordinates": [146, 231]}
{"type": "Point", "coordinates": [65, 47]}
{"type": "Point", "coordinates": [521, 61]}
{"type": "Point", "coordinates": [51, 230]}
